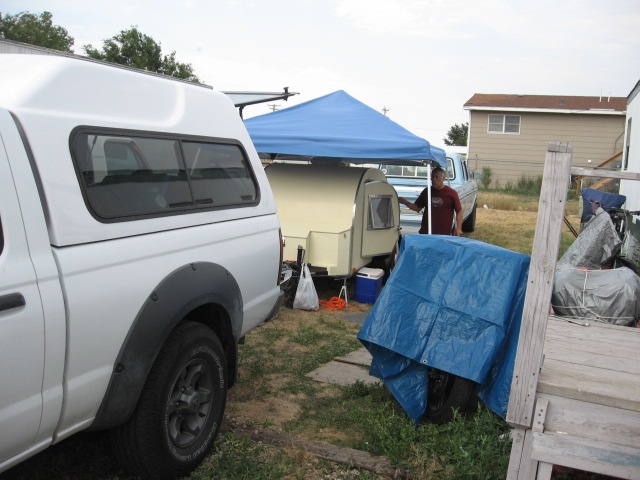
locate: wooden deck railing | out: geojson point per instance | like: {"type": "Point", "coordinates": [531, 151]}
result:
{"type": "Point", "coordinates": [575, 392]}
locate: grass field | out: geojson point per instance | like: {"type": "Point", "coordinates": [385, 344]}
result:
{"type": "Point", "coordinates": [509, 221]}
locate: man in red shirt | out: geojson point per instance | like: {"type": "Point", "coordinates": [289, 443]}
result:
{"type": "Point", "coordinates": [444, 201]}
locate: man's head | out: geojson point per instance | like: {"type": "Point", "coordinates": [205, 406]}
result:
{"type": "Point", "coordinates": [437, 177]}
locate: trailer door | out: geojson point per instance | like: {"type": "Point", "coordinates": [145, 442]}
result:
{"type": "Point", "coordinates": [381, 219]}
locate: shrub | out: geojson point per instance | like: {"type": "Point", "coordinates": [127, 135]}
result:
{"type": "Point", "coordinates": [529, 185]}
{"type": "Point", "coordinates": [485, 177]}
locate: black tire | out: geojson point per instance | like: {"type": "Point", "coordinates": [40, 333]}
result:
{"type": "Point", "coordinates": [447, 392]}
{"type": "Point", "coordinates": [391, 260]}
{"type": "Point", "coordinates": [469, 225]}
{"type": "Point", "coordinates": [180, 409]}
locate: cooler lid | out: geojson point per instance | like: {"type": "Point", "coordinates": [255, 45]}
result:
{"type": "Point", "coordinates": [370, 272]}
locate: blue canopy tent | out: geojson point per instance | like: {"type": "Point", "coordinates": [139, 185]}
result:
{"type": "Point", "coordinates": [338, 128]}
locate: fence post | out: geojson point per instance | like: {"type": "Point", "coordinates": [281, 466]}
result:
{"type": "Point", "coordinates": [546, 244]}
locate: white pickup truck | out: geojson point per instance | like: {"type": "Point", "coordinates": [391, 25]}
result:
{"type": "Point", "coordinates": [139, 243]}
{"type": "Point", "coordinates": [410, 180]}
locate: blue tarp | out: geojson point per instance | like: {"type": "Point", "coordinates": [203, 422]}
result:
{"type": "Point", "coordinates": [592, 199]}
{"type": "Point", "coordinates": [340, 127]}
{"type": "Point", "coordinates": [454, 304]}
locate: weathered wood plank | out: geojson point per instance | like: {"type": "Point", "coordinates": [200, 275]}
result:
{"type": "Point", "coordinates": [521, 467]}
{"type": "Point", "coordinates": [595, 385]}
{"type": "Point", "coordinates": [589, 420]}
{"type": "Point", "coordinates": [588, 355]}
{"type": "Point", "coordinates": [546, 243]}
{"type": "Point", "coordinates": [585, 454]}
{"type": "Point", "coordinates": [540, 414]}
{"type": "Point", "coordinates": [544, 471]}
{"type": "Point", "coordinates": [325, 451]}
{"type": "Point", "coordinates": [594, 172]}
{"type": "Point", "coordinates": [614, 332]}
{"type": "Point", "coordinates": [596, 342]}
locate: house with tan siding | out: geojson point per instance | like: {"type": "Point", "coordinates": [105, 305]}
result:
{"type": "Point", "coordinates": [510, 133]}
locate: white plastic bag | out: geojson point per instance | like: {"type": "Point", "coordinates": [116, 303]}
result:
{"type": "Point", "coordinates": [306, 296]}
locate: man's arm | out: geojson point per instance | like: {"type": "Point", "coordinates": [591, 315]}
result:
{"type": "Point", "coordinates": [409, 205]}
{"type": "Point", "coordinates": [459, 223]}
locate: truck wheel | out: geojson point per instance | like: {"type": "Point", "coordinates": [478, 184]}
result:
{"type": "Point", "coordinates": [469, 225]}
{"type": "Point", "coordinates": [447, 392]}
{"type": "Point", "coordinates": [180, 409]}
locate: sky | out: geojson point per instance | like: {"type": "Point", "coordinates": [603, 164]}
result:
{"type": "Point", "coordinates": [420, 60]}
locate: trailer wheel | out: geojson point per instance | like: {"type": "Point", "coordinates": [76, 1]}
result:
{"type": "Point", "coordinates": [469, 225]}
{"type": "Point", "coordinates": [180, 409]}
{"type": "Point", "coordinates": [447, 392]}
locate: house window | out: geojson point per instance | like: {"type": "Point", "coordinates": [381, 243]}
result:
{"type": "Point", "coordinates": [504, 124]}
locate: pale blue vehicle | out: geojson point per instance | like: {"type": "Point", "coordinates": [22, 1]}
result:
{"type": "Point", "coordinates": [410, 180]}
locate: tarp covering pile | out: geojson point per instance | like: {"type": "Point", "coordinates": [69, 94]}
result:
{"type": "Point", "coordinates": [597, 243]}
{"type": "Point", "coordinates": [593, 199]}
{"type": "Point", "coordinates": [338, 127]}
{"type": "Point", "coordinates": [609, 296]}
{"type": "Point", "coordinates": [454, 304]}
{"type": "Point", "coordinates": [583, 290]}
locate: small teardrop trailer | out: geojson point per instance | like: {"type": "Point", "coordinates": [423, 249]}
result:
{"type": "Point", "coordinates": [343, 217]}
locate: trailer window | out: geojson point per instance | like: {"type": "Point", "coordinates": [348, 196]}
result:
{"type": "Point", "coordinates": [380, 212]}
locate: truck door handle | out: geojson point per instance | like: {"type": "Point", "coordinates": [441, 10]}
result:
{"type": "Point", "coordinates": [12, 300]}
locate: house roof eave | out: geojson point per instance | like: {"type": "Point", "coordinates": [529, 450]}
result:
{"type": "Point", "coordinates": [599, 111]}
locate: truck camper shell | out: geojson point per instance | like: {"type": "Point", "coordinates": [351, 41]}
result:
{"type": "Point", "coordinates": [123, 103]}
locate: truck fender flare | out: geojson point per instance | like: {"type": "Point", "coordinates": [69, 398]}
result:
{"type": "Point", "coordinates": [182, 291]}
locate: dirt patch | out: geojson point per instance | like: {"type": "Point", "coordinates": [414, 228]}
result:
{"type": "Point", "coordinates": [246, 404]}
{"type": "Point", "coordinates": [268, 411]}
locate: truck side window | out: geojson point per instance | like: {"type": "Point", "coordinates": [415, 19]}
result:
{"type": "Point", "coordinates": [422, 171]}
{"type": "Point", "coordinates": [125, 176]}
{"type": "Point", "coordinates": [450, 170]}
{"type": "Point", "coordinates": [394, 170]}
{"type": "Point", "coordinates": [219, 174]}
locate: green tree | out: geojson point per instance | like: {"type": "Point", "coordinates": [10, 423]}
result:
{"type": "Point", "coordinates": [457, 135]}
{"type": "Point", "coordinates": [135, 49]}
{"type": "Point", "coordinates": [35, 30]}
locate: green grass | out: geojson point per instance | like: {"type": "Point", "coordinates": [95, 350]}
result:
{"type": "Point", "coordinates": [473, 445]}
{"type": "Point", "coordinates": [274, 362]}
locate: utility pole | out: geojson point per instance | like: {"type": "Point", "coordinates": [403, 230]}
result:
{"type": "Point", "coordinates": [274, 106]}
{"type": "Point", "coordinates": [384, 111]}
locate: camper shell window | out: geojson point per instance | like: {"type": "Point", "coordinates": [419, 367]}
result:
{"type": "Point", "coordinates": [127, 175]}
{"type": "Point", "coordinates": [380, 212]}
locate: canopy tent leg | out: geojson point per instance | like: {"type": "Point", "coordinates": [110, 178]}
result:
{"type": "Point", "coordinates": [343, 290]}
